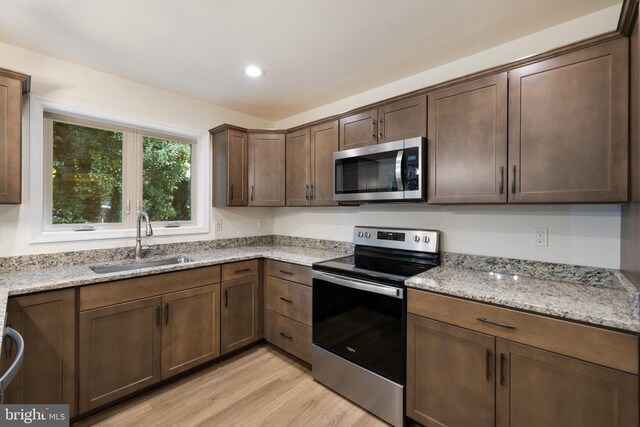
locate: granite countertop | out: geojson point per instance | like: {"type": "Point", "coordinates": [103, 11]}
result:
{"type": "Point", "coordinates": [614, 307]}
{"type": "Point", "coordinates": [17, 283]}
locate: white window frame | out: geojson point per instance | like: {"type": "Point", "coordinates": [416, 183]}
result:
{"type": "Point", "coordinates": [40, 157]}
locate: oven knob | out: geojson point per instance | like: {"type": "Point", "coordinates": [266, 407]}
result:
{"type": "Point", "coordinates": [427, 239]}
{"type": "Point", "coordinates": [416, 239]}
{"type": "Point", "coordinates": [367, 234]}
{"type": "Point", "coordinates": [360, 234]}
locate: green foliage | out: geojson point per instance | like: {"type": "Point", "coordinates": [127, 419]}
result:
{"type": "Point", "coordinates": [87, 175]}
{"type": "Point", "coordinates": [166, 179]}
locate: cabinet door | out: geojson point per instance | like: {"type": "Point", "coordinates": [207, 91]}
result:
{"type": "Point", "coordinates": [324, 142]}
{"type": "Point", "coordinates": [359, 130]}
{"type": "Point", "coordinates": [191, 329]}
{"type": "Point", "coordinates": [10, 140]}
{"type": "Point", "coordinates": [120, 351]}
{"type": "Point", "coordinates": [539, 388]}
{"type": "Point", "coordinates": [237, 149]}
{"type": "Point", "coordinates": [450, 375]}
{"type": "Point", "coordinates": [468, 142]}
{"type": "Point", "coordinates": [568, 127]}
{"type": "Point", "coordinates": [403, 119]}
{"type": "Point", "coordinates": [47, 323]}
{"type": "Point", "coordinates": [240, 313]}
{"type": "Point", "coordinates": [266, 169]}
{"type": "Point", "coordinates": [298, 168]}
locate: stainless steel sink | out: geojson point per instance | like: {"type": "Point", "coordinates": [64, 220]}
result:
{"type": "Point", "coordinates": [103, 269]}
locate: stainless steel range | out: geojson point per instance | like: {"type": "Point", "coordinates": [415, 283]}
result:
{"type": "Point", "coordinates": [359, 316]}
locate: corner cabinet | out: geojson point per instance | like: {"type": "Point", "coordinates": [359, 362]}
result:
{"type": "Point", "coordinates": [12, 88]}
{"type": "Point", "coordinates": [309, 164]}
{"type": "Point", "coordinates": [230, 164]}
{"type": "Point", "coordinates": [134, 333]}
{"type": "Point", "coordinates": [472, 364]}
{"type": "Point", "coordinates": [47, 323]}
{"type": "Point", "coordinates": [266, 169]}
{"type": "Point", "coordinates": [568, 127]}
{"type": "Point", "coordinates": [390, 122]}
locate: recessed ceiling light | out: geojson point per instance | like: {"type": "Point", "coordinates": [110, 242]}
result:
{"type": "Point", "coordinates": [253, 71]}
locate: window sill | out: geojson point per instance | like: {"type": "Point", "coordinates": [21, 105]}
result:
{"type": "Point", "coordinates": [74, 236]}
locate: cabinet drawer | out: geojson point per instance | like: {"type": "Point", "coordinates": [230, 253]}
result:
{"type": "Point", "coordinates": [120, 291]}
{"type": "Point", "coordinates": [289, 299]}
{"type": "Point", "coordinates": [617, 350]}
{"type": "Point", "coordinates": [238, 270]}
{"type": "Point", "coordinates": [292, 272]}
{"type": "Point", "coordinates": [289, 335]}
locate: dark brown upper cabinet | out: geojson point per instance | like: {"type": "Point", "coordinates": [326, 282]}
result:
{"type": "Point", "coordinates": [467, 154]}
{"type": "Point", "coordinates": [390, 122]}
{"type": "Point", "coordinates": [12, 86]}
{"type": "Point", "coordinates": [403, 119]}
{"type": "Point", "coordinates": [230, 163]}
{"type": "Point", "coordinates": [359, 130]}
{"type": "Point", "coordinates": [568, 127]}
{"type": "Point", "coordinates": [310, 165]}
{"type": "Point", "coordinates": [266, 169]}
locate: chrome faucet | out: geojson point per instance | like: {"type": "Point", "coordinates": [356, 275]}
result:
{"type": "Point", "coordinates": [148, 230]}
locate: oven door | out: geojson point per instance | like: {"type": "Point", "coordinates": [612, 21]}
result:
{"type": "Point", "coordinates": [390, 171]}
{"type": "Point", "coordinates": [360, 321]}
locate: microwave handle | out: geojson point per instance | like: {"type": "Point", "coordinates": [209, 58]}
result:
{"type": "Point", "coordinates": [399, 170]}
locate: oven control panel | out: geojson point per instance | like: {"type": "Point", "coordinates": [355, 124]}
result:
{"type": "Point", "coordinates": [397, 238]}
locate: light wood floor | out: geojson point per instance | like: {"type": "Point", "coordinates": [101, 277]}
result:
{"type": "Point", "coordinates": [260, 387]}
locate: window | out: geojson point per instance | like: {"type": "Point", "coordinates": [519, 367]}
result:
{"type": "Point", "coordinates": [96, 175]}
{"type": "Point", "coordinates": [166, 178]}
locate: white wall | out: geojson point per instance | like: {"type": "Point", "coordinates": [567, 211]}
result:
{"type": "Point", "coordinates": [112, 96]}
{"type": "Point", "coordinates": [585, 235]}
{"type": "Point", "coordinates": [578, 234]}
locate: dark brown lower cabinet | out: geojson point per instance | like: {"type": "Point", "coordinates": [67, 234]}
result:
{"type": "Point", "coordinates": [240, 313]}
{"type": "Point", "coordinates": [47, 323]}
{"type": "Point", "coordinates": [120, 351]}
{"type": "Point", "coordinates": [191, 329]}
{"type": "Point", "coordinates": [458, 377]}
{"type": "Point", "coordinates": [450, 375]}
{"type": "Point", "coordinates": [540, 388]}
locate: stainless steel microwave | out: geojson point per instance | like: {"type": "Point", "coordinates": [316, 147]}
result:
{"type": "Point", "coordinates": [392, 171]}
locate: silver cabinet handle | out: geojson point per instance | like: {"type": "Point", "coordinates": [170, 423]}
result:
{"type": "Point", "coordinates": [306, 192]}
{"type": "Point", "coordinates": [491, 322]}
{"type": "Point", "coordinates": [501, 179]}
{"type": "Point", "coordinates": [252, 193]}
{"type": "Point", "coordinates": [513, 183]}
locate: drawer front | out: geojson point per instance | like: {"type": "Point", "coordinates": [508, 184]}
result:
{"type": "Point", "coordinates": [119, 291]}
{"type": "Point", "coordinates": [292, 272]}
{"type": "Point", "coordinates": [291, 336]}
{"type": "Point", "coordinates": [289, 299]}
{"type": "Point", "coordinates": [239, 270]}
{"type": "Point", "coordinates": [616, 350]}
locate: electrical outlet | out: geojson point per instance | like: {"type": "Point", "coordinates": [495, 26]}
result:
{"type": "Point", "coordinates": [218, 224]}
{"type": "Point", "coordinates": [260, 223]}
{"type": "Point", "coordinates": [540, 237]}
{"type": "Point", "coordinates": [337, 228]}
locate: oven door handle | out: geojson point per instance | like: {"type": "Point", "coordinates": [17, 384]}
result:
{"type": "Point", "coordinates": [362, 285]}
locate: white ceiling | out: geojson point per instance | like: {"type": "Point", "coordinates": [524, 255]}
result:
{"type": "Point", "coordinates": [314, 52]}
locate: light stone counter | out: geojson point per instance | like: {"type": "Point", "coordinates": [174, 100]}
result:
{"type": "Point", "coordinates": [609, 306]}
{"type": "Point", "coordinates": [17, 283]}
